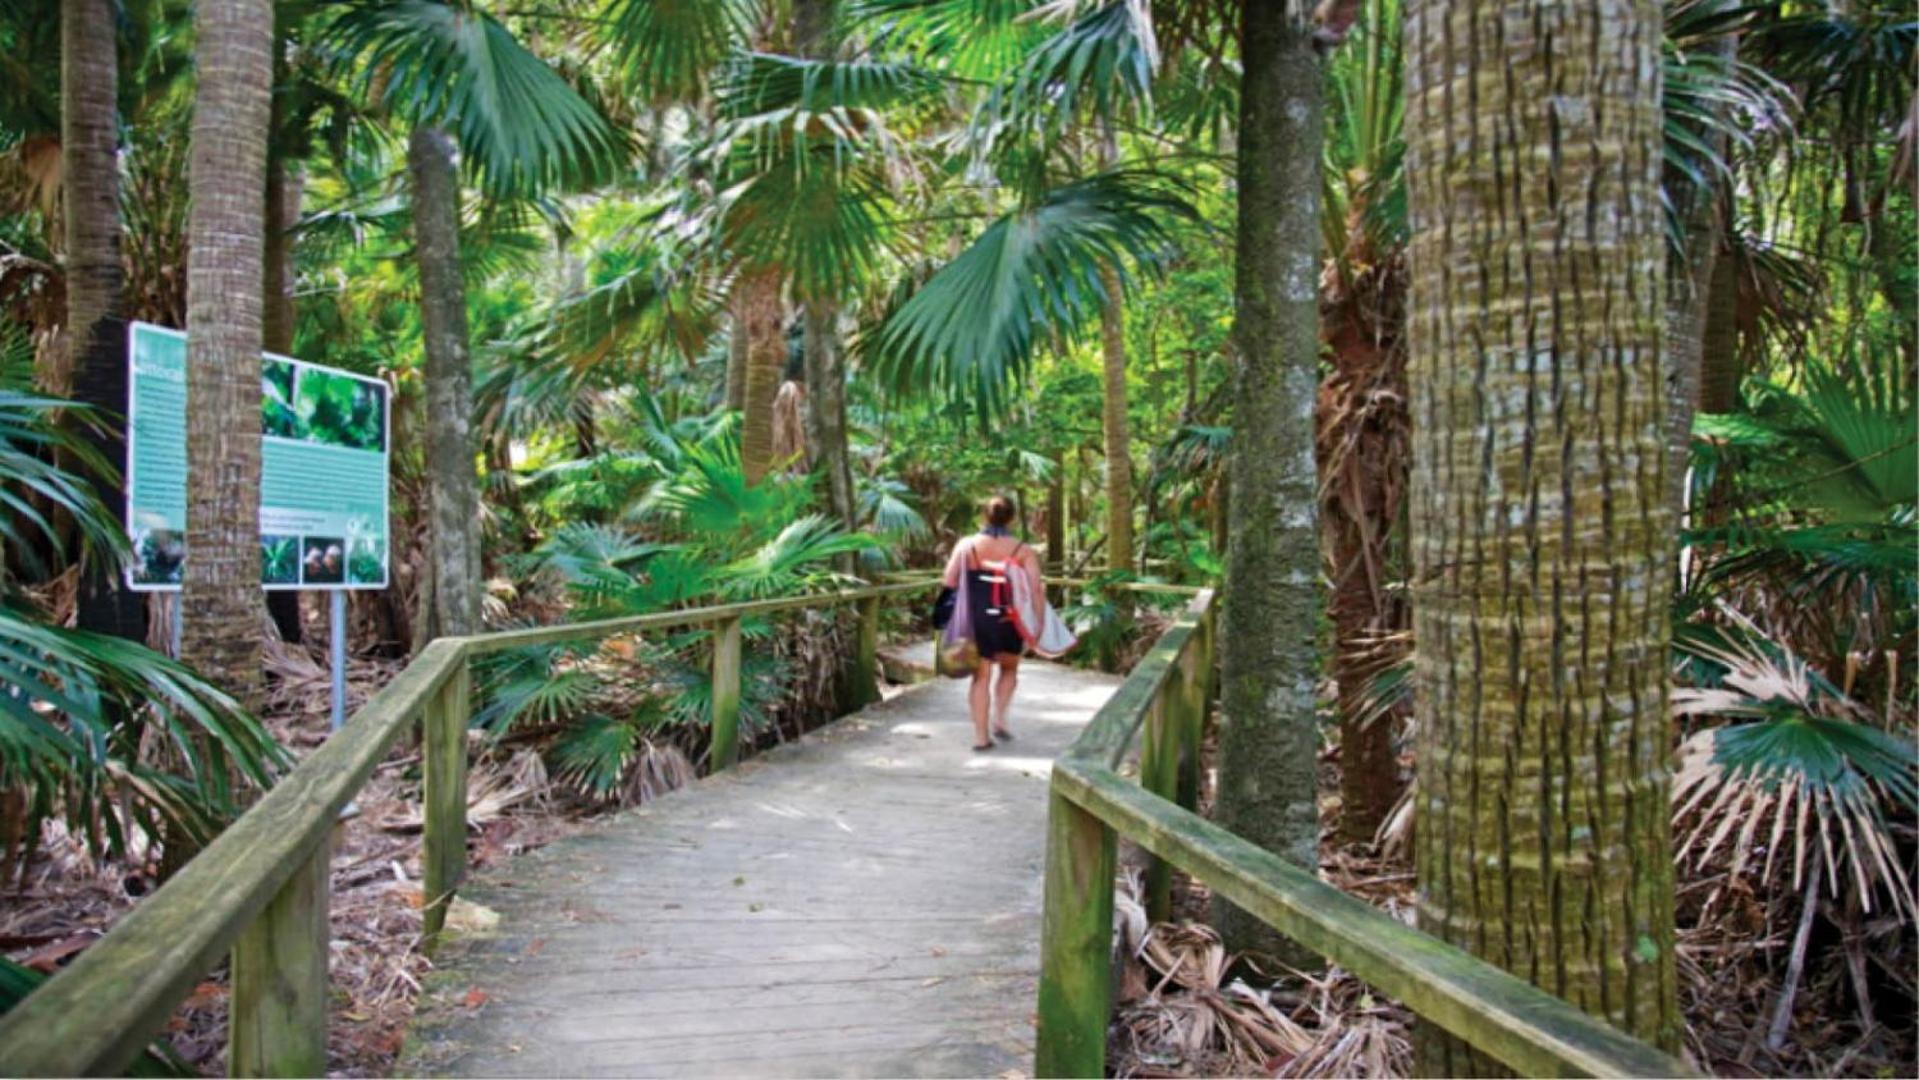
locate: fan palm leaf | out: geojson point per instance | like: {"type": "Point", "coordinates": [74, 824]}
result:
{"type": "Point", "coordinates": [522, 126]}
{"type": "Point", "coordinates": [971, 330]}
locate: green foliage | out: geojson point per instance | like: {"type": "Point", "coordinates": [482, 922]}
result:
{"type": "Point", "coordinates": [522, 127]}
{"type": "Point", "coordinates": [76, 708]}
{"type": "Point", "coordinates": [1032, 276]}
{"type": "Point", "coordinates": [30, 445]}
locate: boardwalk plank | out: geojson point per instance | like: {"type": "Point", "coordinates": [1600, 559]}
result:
{"type": "Point", "coordinates": [864, 902]}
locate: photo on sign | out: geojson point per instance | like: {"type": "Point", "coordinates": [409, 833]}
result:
{"type": "Point", "coordinates": [279, 560]}
{"type": "Point", "coordinates": [336, 410]}
{"type": "Point", "coordinates": [364, 544]}
{"type": "Point", "coordinates": [325, 562]}
{"type": "Point", "coordinates": [278, 417]}
{"type": "Point", "coordinates": [160, 555]}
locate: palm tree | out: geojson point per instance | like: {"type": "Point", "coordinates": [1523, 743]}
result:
{"type": "Point", "coordinates": [1541, 529]}
{"type": "Point", "coordinates": [458, 74]}
{"type": "Point", "coordinates": [220, 597]}
{"type": "Point", "coordinates": [96, 303]}
{"type": "Point", "coordinates": [1363, 427]}
{"type": "Point", "coordinates": [1269, 646]}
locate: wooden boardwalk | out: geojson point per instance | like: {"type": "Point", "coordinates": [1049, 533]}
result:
{"type": "Point", "coordinates": [863, 903]}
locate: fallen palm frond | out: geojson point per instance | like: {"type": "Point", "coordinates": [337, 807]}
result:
{"type": "Point", "coordinates": [1185, 1011]}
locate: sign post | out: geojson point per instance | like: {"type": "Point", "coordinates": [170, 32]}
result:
{"type": "Point", "coordinates": [324, 437]}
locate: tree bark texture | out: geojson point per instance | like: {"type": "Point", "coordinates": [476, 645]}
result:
{"type": "Point", "coordinates": [1541, 528]}
{"type": "Point", "coordinates": [735, 388]}
{"type": "Point", "coordinates": [760, 316]}
{"type": "Point", "coordinates": [826, 412]}
{"type": "Point", "coordinates": [1114, 425]}
{"type": "Point", "coordinates": [1719, 363]}
{"type": "Point", "coordinates": [453, 484]}
{"type": "Point", "coordinates": [1268, 732]}
{"type": "Point", "coordinates": [96, 285]}
{"type": "Point", "coordinates": [285, 182]}
{"type": "Point", "coordinates": [1364, 448]}
{"type": "Point", "coordinates": [222, 610]}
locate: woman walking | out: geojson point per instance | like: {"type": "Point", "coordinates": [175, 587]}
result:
{"type": "Point", "coordinates": [982, 572]}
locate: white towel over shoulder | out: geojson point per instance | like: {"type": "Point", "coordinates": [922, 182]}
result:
{"type": "Point", "coordinates": [1039, 625]}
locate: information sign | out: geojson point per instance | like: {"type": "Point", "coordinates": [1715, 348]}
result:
{"type": "Point", "coordinates": [323, 470]}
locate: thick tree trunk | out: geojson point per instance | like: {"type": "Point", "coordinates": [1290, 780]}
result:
{"type": "Point", "coordinates": [826, 414]}
{"type": "Point", "coordinates": [227, 186]}
{"type": "Point", "coordinates": [1268, 731]}
{"type": "Point", "coordinates": [735, 388]}
{"type": "Point", "coordinates": [1541, 525]}
{"type": "Point", "coordinates": [760, 316]}
{"type": "Point", "coordinates": [96, 286]}
{"type": "Point", "coordinates": [453, 485]}
{"type": "Point", "coordinates": [284, 184]}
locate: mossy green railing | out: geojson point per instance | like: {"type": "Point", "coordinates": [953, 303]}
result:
{"type": "Point", "coordinates": [259, 890]}
{"type": "Point", "coordinates": [1529, 1030]}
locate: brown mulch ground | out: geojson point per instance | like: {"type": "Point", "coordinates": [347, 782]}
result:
{"type": "Point", "coordinates": [68, 901]}
{"type": "Point", "coordinates": [1186, 1009]}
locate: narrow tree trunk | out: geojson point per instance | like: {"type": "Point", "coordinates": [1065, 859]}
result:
{"type": "Point", "coordinates": [1689, 286]}
{"type": "Point", "coordinates": [1056, 511]}
{"type": "Point", "coordinates": [1363, 455]}
{"type": "Point", "coordinates": [453, 486]}
{"type": "Point", "coordinates": [1719, 367]}
{"type": "Point", "coordinates": [1268, 731]}
{"type": "Point", "coordinates": [220, 633]}
{"type": "Point", "coordinates": [1113, 422]}
{"type": "Point", "coordinates": [826, 414]}
{"type": "Point", "coordinates": [284, 185]}
{"type": "Point", "coordinates": [761, 318]}
{"type": "Point", "coordinates": [1541, 524]}
{"type": "Point", "coordinates": [96, 286]}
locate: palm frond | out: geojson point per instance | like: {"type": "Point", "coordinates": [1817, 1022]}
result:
{"type": "Point", "coordinates": [522, 126]}
{"type": "Point", "coordinates": [971, 330]}
{"type": "Point", "coordinates": [670, 48]}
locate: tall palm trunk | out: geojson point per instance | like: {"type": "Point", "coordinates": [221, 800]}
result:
{"type": "Point", "coordinates": [96, 285]}
{"type": "Point", "coordinates": [825, 363]}
{"type": "Point", "coordinates": [1113, 419]}
{"type": "Point", "coordinates": [1268, 733]}
{"type": "Point", "coordinates": [453, 484]}
{"type": "Point", "coordinates": [1688, 289]}
{"type": "Point", "coordinates": [826, 413]}
{"type": "Point", "coordinates": [227, 185]}
{"type": "Point", "coordinates": [284, 185]}
{"type": "Point", "coordinates": [760, 316]}
{"type": "Point", "coordinates": [1541, 529]}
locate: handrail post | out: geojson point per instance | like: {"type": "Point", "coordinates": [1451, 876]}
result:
{"type": "Point", "coordinates": [726, 694]}
{"type": "Point", "coordinates": [445, 720]}
{"type": "Point", "coordinates": [1076, 943]}
{"type": "Point", "coordinates": [1159, 763]}
{"type": "Point", "coordinates": [866, 662]}
{"type": "Point", "coordinates": [277, 1020]}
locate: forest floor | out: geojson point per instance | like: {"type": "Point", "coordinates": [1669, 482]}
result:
{"type": "Point", "coordinates": [1185, 1008]}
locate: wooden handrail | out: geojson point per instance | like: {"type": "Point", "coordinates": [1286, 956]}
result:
{"type": "Point", "coordinates": [1091, 805]}
{"type": "Point", "coordinates": [259, 889]}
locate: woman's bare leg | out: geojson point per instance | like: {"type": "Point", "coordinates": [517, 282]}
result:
{"type": "Point", "coordinates": [1003, 692]}
{"type": "Point", "coordinates": [978, 697]}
